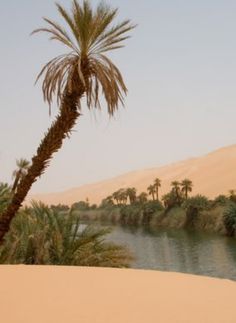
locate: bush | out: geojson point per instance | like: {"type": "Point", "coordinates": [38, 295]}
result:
{"type": "Point", "coordinates": [193, 206]}
{"type": "Point", "coordinates": [41, 235]}
{"type": "Point", "coordinates": [221, 200]}
{"type": "Point", "coordinates": [198, 202]}
{"type": "Point", "coordinates": [230, 220]}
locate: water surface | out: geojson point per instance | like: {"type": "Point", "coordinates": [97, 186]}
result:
{"type": "Point", "coordinates": [179, 250]}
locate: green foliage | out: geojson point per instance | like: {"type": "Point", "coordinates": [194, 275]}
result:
{"type": "Point", "coordinates": [131, 214]}
{"type": "Point", "coordinates": [60, 207]}
{"type": "Point", "coordinates": [230, 220]}
{"type": "Point", "coordinates": [193, 206]}
{"type": "Point", "coordinates": [5, 196]}
{"type": "Point", "coordinates": [221, 200]}
{"type": "Point", "coordinates": [81, 205]}
{"type": "Point", "coordinates": [173, 198]}
{"type": "Point", "coordinates": [107, 203]}
{"type": "Point", "coordinates": [41, 235]}
{"type": "Point", "coordinates": [198, 202]}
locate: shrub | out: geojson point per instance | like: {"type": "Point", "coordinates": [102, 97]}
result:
{"type": "Point", "coordinates": [193, 206]}
{"type": "Point", "coordinates": [221, 200]}
{"type": "Point", "coordinates": [230, 220]}
{"type": "Point", "coordinates": [198, 202]}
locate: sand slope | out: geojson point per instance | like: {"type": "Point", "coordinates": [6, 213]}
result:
{"type": "Point", "coordinates": [43, 294]}
{"type": "Point", "coordinates": [212, 175]}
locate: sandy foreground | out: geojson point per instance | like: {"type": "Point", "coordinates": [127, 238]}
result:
{"type": "Point", "coordinates": [48, 294]}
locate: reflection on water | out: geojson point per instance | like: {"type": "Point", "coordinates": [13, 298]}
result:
{"type": "Point", "coordinates": [179, 250]}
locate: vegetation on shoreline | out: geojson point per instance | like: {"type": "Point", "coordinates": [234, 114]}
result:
{"type": "Point", "coordinates": [176, 209]}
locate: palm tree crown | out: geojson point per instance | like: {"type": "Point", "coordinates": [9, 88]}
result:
{"type": "Point", "coordinates": [90, 35]}
{"type": "Point", "coordinates": [151, 191]}
{"type": "Point", "coordinates": [22, 168]}
{"type": "Point", "coordinates": [187, 186]}
{"type": "Point", "coordinates": [157, 184]}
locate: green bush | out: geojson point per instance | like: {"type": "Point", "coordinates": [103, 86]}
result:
{"type": "Point", "coordinates": [41, 235]}
{"type": "Point", "coordinates": [230, 220]}
{"type": "Point", "coordinates": [198, 202]}
{"type": "Point", "coordinates": [221, 200]}
{"type": "Point", "coordinates": [193, 206]}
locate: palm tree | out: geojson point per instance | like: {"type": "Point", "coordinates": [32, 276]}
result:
{"type": "Point", "coordinates": [157, 184]}
{"type": "Point", "coordinates": [116, 196]}
{"type": "Point", "coordinates": [176, 187]}
{"type": "Point", "coordinates": [151, 191]}
{"type": "Point", "coordinates": [187, 186]}
{"type": "Point", "coordinates": [131, 193]}
{"type": "Point", "coordinates": [22, 168]}
{"type": "Point", "coordinates": [142, 197]}
{"type": "Point", "coordinates": [84, 71]}
{"type": "Point", "coordinates": [123, 196]}
{"type": "Point", "coordinates": [176, 190]}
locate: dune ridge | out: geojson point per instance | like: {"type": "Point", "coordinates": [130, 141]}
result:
{"type": "Point", "coordinates": [212, 174]}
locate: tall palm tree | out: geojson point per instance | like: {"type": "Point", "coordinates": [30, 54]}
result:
{"type": "Point", "coordinates": [123, 196]}
{"type": "Point", "coordinates": [151, 191]}
{"type": "Point", "coordinates": [157, 184]}
{"type": "Point", "coordinates": [176, 187]}
{"type": "Point", "coordinates": [187, 186]}
{"type": "Point", "coordinates": [84, 71]}
{"type": "Point", "coordinates": [131, 193]}
{"type": "Point", "coordinates": [22, 168]}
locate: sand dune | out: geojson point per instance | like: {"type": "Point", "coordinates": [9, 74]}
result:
{"type": "Point", "coordinates": [44, 294]}
{"type": "Point", "coordinates": [212, 174]}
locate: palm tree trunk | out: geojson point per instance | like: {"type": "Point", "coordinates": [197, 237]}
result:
{"type": "Point", "coordinates": [186, 193]}
{"type": "Point", "coordinates": [157, 193]}
{"type": "Point", "coordinates": [52, 142]}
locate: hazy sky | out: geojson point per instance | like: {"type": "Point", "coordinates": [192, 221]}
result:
{"type": "Point", "coordinates": [179, 67]}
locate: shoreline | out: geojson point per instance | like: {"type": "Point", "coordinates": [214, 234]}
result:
{"type": "Point", "coordinates": [103, 295]}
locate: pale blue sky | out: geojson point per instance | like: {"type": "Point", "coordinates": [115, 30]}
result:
{"type": "Point", "coordinates": [180, 69]}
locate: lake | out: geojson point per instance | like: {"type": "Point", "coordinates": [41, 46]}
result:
{"type": "Point", "coordinates": [179, 250]}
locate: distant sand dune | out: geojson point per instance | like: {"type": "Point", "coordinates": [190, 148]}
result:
{"type": "Point", "coordinates": [212, 174]}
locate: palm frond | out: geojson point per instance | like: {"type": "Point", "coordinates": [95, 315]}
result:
{"type": "Point", "coordinates": [89, 36]}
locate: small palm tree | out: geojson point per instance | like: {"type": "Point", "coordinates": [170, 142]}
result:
{"type": "Point", "coordinates": [157, 184]}
{"type": "Point", "coordinates": [84, 71]}
{"type": "Point", "coordinates": [151, 191]}
{"type": "Point", "coordinates": [22, 168]}
{"type": "Point", "coordinates": [187, 186]}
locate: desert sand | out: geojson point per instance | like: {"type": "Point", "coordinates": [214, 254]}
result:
{"type": "Point", "coordinates": [212, 174]}
{"type": "Point", "coordinates": [44, 294]}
